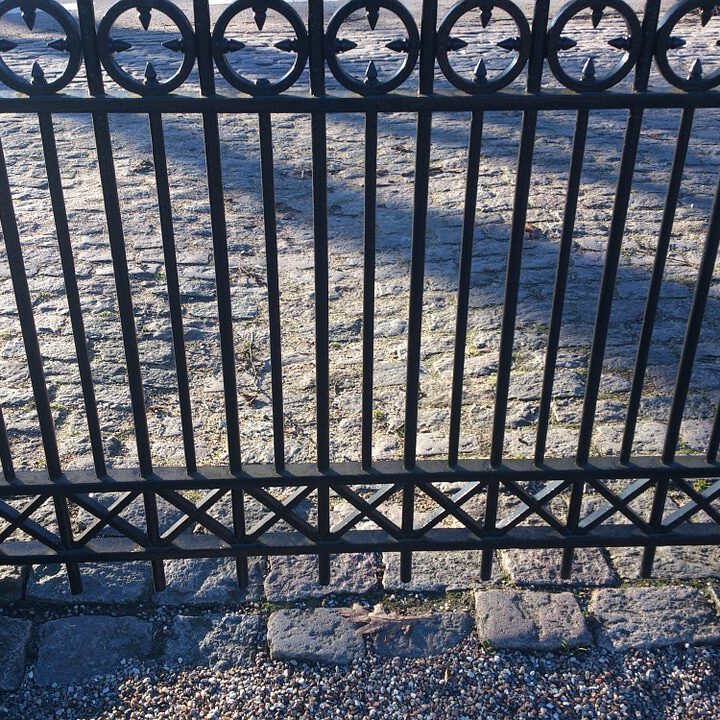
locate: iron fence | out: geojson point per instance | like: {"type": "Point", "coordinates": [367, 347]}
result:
{"type": "Point", "coordinates": [536, 50]}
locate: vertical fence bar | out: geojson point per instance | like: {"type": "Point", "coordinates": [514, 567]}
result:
{"type": "Point", "coordinates": [692, 333]}
{"type": "Point", "coordinates": [517, 234]}
{"type": "Point", "coordinates": [419, 231]}
{"type": "Point", "coordinates": [26, 318]}
{"type": "Point", "coordinates": [714, 443]}
{"type": "Point", "coordinates": [5, 454]}
{"type": "Point", "coordinates": [617, 230]}
{"type": "Point", "coordinates": [612, 259]}
{"type": "Point", "coordinates": [211, 134]}
{"type": "Point", "coordinates": [57, 200]}
{"type": "Point", "coordinates": [428, 22]}
{"type": "Point", "coordinates": [417, 279]}
{"type": "Point", "coordinates": [157, 136]}
{"type": "Point", "coordinates": [273, 285]}
{"type": "Point", "coordinates": [108, 180]}
{"type": "Point", "coordinates": [491, 508]}
{"type": "Point", "coordinates": [417, 272]}
{"type": "Point", "coordinates": [561, 275]}
{"type": "Point", "coordinates": [219, 232]}
{"type": "Point", "coordinates": [319, 164]}
{"type": "Point", "coordinates": [113, 215]}
{"type": "Point", "coordinates": [514, 261]}
{"type": "Point", "coordinates": [318, 126]}
{"type": "Point", "coordinates": [671, 200]}
{"type": "Point", "coordinates": [571, 201]}
{"type": "Point", "coordinates": [23, 301]}
{"type": "Point", "coordinates": [237, 505]}
{"type": "Point", "coordinates": [653, 297]}
{"type": "Point", "coordinates": [371, 141]}
{"type": "Point", "coordinates": [684, 373]}
{"type": "Point", "coordinates": [466, 250]}
{"type": "Point", "coordinates": [512, 283]}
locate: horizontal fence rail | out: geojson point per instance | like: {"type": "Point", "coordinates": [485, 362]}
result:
{"type": "Point", "coordinates": [57, 63]}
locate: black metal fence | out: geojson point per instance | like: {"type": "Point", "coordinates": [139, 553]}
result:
{"type": "Point", "coordinates": [536, 51]}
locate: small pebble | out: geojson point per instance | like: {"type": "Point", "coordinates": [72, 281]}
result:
{"type": "Point", "coordinates": [472, 682]}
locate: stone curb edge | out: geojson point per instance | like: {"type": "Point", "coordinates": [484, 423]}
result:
{"type": "Point", "coordinates": [75, 648]}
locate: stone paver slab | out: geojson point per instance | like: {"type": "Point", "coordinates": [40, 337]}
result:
{"type": "Point", "coordinates": [296, 577]}
{"type": "Point", "coordinates": [208, 581]}
{"type": "Point", "coordinates": [645, 617]}
{"type": "Point", "coordinates": [686, 562]}
{"type": "Point", "coordinates": [73, 649]}
{"type": "Point", "coordinates": [14, 639]}
{"type": "Point", "coordinates": [12, 583]}
{"type": "Point", "coordinates": [220, 641]}
{"type": "Point", "coordinates": [542, 567]}
{"type": "Point", "coordinates": [438, 571]}
{"type": "Point", "coordinates": [108, 583]}
{"type": "Point", "coordinates": [529, 620]}
{"type": "Point", "coordinates": [422, 636]}
{"type": "Point", "coordinates": [322, 634]}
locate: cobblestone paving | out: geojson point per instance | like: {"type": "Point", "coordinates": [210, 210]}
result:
{"type": "Point", "coordinates": [246, 248]}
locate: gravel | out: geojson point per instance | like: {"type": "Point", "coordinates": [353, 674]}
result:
{"type": "Point", "coordinates": [473, 682]}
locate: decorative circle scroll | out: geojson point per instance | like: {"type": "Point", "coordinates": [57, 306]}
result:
{"type": "Point", "coordinates": [70, 44]}
{"type": "Point", "coordinates": [221, 45]}
{"type": "Point", "coordinates": [371, 84]}
{"type": "Point", "coordinates": [480, 83]}
{"type": "Point", "coordinates": [108, 47]}
{"type": "Point", "coordinates": [697, 79]}
{"type": "Point", "coordinates": [631, 44]}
